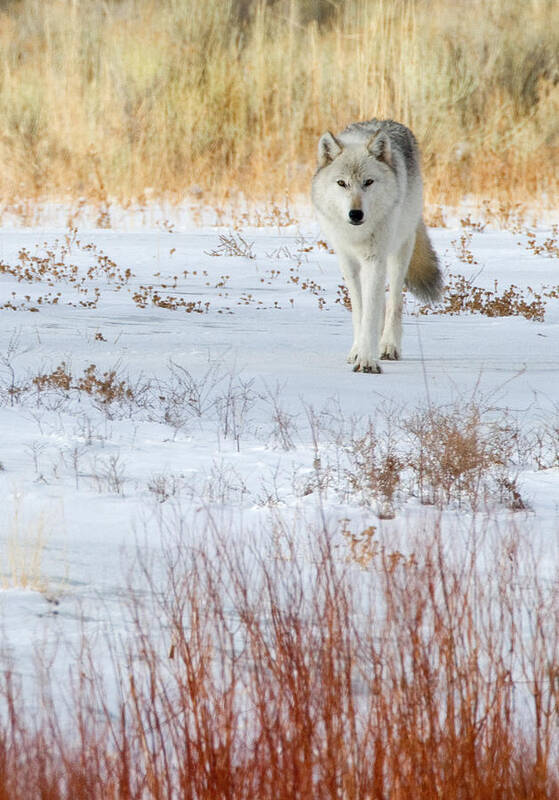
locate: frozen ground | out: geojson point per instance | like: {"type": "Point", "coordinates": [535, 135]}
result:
{"type": "Point", "coordinates": [227, 406]}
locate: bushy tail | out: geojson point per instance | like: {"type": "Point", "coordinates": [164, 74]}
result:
{"type": "Point", "coordinates": [424, 276]}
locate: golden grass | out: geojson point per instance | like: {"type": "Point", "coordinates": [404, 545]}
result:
{"type": "Point", "coordinates": [137, 98]}
{"type": "Point", "coordinates": [21, 551]}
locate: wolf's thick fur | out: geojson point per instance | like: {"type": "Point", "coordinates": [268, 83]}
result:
{"type": "Point", "coordinates": [368, 194]}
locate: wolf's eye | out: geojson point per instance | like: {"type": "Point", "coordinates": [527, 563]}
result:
{"type": "Point", "coordinates": [343, 184]}
{"type": "Point", "coordinates": [368, 182]}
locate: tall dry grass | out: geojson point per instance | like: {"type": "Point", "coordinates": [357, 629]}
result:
{"type": "Point", "coordinates": [122, 97]}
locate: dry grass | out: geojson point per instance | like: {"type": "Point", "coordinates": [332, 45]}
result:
{"type": "Point", "coordinates": [21, 548]}
{"type": "Point", "coordinates": [289, 678]}
{"type": "Point", "coordinates": [465, 455]}
{"type": "Point", "coordinates": [137, 98]}
{"type": "Point", "coordinates": [462, 296]}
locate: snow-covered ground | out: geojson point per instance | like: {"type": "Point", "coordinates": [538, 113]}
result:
{"type": "Point", "coordinates": [231, 396]}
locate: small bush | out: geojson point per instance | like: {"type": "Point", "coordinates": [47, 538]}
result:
{"type": "Point", "coordinates": [375, 469]}
{"type": "Point", "coordinates": [457, 454]}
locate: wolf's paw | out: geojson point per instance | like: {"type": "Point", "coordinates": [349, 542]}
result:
{"type": "Point", "coordinates": [365, 358]}
{"type": "Point", "coordinates": [390, 352]}
{"type": "Point", "coordinates": [362, 365]}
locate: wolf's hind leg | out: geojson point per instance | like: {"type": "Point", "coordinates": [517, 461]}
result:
{"type": "Point", "coordinates": [391, 341]}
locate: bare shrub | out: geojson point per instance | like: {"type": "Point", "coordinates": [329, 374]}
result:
{"type": "Point", "coordinates": [72, 458]}
{"type": "Point", "coordinates": [375, 468]}
{"type": "Point", "coordinates": [108, 474]}
{"type": "Point", "coordinates": [544, 441]}
{"type": "Point", "coordinates": [222, 485]}
{"type": "Point", "coordinates": [318, 479]}
{"type": "Point", "coordinates": [181, 396]}
{"type": "Point", "coordinates": [36, 449]}
{"type": "Point", "coordinates": [509, 493]}
{"type": "Point", "coordinates": [457, 453]}
{"type": "Point", "coordinates": [283, 422]}
{"type": "Point", "coordinates": [163, 486]}
{"type": "Point", "coordinates": [464, 455]}
{"type": "Point", "coordinates": [297, 677]}
{"type": "Point", "coordinates": [234, 407]}
{"type": "Point", "coordinates": [233, 244]}
{"type": "Point", "coordinates": [12, 389]}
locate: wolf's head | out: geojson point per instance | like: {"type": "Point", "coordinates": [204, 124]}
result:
{"type": "Point", "coordinates": [355, 182]}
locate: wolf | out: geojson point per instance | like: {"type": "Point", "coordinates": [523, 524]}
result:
{"type": "Point", "coordinates": [367, 192]}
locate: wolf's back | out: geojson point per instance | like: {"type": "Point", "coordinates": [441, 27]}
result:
{"type": "Point", "coordinates": [424, 277]}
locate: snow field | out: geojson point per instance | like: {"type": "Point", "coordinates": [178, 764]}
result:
{"type": "Point", "coordinates": [155, 378]}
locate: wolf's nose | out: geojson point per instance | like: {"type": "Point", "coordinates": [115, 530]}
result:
{"type": "Point", "coordinates": [355, 216]}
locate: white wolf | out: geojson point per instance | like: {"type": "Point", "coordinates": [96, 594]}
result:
{"type": "Point", "coordinates": [368, 194]}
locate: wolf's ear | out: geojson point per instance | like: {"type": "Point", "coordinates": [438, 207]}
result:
{"type": "Point", "coordinates": [379, 146]}
{"type": "Point", "coordinates": [328, 149]}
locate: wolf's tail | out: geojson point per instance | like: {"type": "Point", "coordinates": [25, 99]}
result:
{"type": "Point", "coordinates": [424, 276]}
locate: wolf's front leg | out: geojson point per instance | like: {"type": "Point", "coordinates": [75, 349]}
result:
{"type": "Point", "coordinates": [373, 280]}
{"type": "Point", "coordinates": [351, 271]}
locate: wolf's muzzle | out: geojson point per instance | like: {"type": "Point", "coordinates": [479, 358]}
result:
{"type": "Point", "coordinates": [356, 216]}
